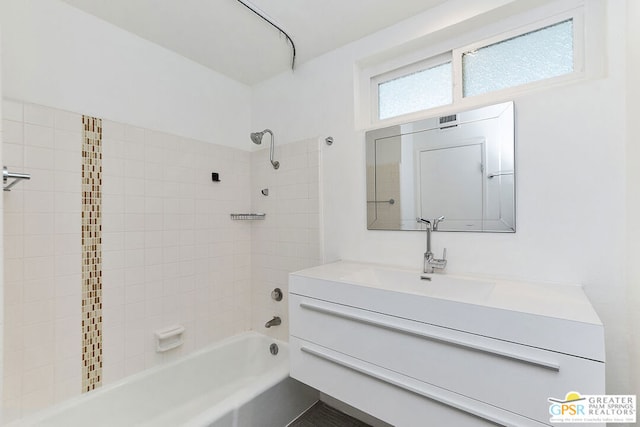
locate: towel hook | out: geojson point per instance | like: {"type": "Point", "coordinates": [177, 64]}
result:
{"type": "Point", "coordinates": [17, 177]}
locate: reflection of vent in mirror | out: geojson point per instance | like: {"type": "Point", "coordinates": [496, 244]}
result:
{"type": "Point", "coordinates": [448, 119]}
{"type": "Point", "coordinates": [466, 173]}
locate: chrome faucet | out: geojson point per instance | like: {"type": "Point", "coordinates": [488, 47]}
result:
{"type": "Point", "coordinates": [273, 322]}
{"type": "Point", "coordinates": [431, 263]}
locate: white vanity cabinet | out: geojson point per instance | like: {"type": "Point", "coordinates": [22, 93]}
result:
{"type": "Point", "coordinates": [450, 351]}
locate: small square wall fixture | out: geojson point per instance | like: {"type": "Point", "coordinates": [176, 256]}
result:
{"type": "Point", "coordinates": [215, 177]}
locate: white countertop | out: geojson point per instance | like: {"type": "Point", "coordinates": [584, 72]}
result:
{"type": "Point", "coordinates": [558, 301]}
{"type": "Point", "coordinates": [549, 316]}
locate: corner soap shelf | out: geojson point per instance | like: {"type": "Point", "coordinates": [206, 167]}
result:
{"type": "Point", "coordinates": [247, 216]}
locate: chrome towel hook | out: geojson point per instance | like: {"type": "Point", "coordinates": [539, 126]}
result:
{"type": "Point", "coordinates": [17, 177]}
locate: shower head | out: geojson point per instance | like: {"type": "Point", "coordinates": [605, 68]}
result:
{"type": "Point", "coordinates": [256, 137]}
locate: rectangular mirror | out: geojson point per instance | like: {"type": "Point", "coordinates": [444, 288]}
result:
{"type": "Point", "coordinates": [461, 166]}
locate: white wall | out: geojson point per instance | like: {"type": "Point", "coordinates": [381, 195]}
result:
{"type": "Point", "coordinates": [1, 244]}
{"type": "Point", "coordinates": [633, 191]}
{"type": "Point", "coordinates": [570, 184]}
{"type": "Point", "coordinates": [58, 56]}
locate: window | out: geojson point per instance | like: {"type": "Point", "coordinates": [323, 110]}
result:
{"type": "Point", "coordinates": [530, 57]}
{"type": "Point", "coordinates": [533, 55]}
{"type": "Point", "coordinates": [424, 89]}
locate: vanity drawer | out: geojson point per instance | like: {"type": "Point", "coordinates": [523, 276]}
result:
{"type": "Point", "coordinates": [511, 376]}
{"type": "Point", "coordinates": [394, 398]}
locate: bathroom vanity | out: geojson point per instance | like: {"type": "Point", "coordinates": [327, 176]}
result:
{"type": "Point", "coordinates": [452, 350]}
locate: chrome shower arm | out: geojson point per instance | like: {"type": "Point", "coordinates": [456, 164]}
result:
{"type": "Point", "coordinates": [256, 137]}
{"type": "Point", "coordinates": [275, 164]}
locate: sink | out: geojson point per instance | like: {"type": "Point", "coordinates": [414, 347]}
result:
{"type": "Point", "coordinates": [457, 288]}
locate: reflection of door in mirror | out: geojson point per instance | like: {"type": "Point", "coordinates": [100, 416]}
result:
{"type": "Point", "coordinates": [451, 184]}
{"type": "Point", "coordinates": [461, 166]}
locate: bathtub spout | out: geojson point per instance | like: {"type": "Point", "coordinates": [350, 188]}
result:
{"type": "Point", "coordinates": [273, 322]}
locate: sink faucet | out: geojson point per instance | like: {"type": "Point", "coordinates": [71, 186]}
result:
{"type": "Point", "coordinates": [273, 322]}
{"type": "Point", "coordinates": [431, 263]}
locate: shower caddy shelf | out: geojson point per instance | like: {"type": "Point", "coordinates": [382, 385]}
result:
{"type": "Point", "coordinates": [247, 216]}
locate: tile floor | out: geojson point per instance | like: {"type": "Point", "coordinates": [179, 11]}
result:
{"type": "Point", "coordinates": [322, 415]}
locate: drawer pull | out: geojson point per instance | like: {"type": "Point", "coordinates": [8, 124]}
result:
{"type": "Point", "coordinates": [381, 376]}
{"type": "Point", "coordinates": [432, 336]}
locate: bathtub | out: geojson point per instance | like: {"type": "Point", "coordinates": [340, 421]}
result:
{"type": "Point", "coordinates": [234, 383]}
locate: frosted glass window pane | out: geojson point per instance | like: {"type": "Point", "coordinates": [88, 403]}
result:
{"type": "Point", "coordinates": [415, 92]}
{"type": "Point", "coordinates": [540, 54]}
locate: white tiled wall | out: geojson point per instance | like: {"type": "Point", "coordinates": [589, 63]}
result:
{"type": "Point", "coordinates": [171, 254]}
{"type": "Point", "coordinates": [42, 260]}
{"type": "Point", "coordinates": [289, 237]}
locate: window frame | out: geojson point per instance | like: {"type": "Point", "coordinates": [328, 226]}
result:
{"type": "Point", "coordinates": [376, 73]}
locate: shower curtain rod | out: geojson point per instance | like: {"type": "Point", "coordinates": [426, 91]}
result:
{"type": "Point", "coordinates": [293, 46]}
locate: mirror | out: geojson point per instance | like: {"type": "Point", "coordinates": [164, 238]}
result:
{"type": "Point", "coordinates": [460, 166]}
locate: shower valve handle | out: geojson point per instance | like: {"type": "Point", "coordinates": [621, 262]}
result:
{"type": "Point", "coordinates": [276, 294]}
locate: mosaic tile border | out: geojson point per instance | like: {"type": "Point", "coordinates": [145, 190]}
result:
{"type": "Point", "coordinates": [91, 253]}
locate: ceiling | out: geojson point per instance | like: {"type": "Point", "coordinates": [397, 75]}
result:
{"type": "Point", "coordinates": [227, 37]}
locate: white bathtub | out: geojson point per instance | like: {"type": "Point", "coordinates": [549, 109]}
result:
{"type": "Point", "coordinates": [234, 383]}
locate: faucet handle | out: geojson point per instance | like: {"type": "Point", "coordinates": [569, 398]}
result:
{"type": "Point", "coordinates": [425, 221]}
{"type": "Point", "coordinates": [437, 221]}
